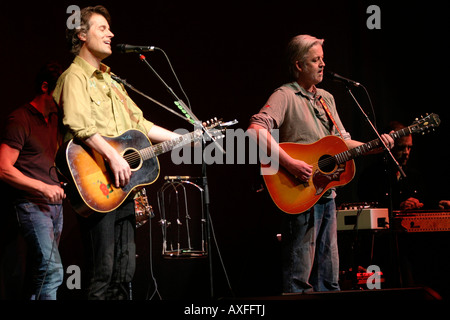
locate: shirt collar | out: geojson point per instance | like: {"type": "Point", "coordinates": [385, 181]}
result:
{"type": "Point", "coordinates": [298, 89]}
{"type": "Point", "coordinates": [35, 111]}
{"type": "Point", "coordinates": [32, 109]}
{"type": "Point", "coordinates": [89, 69]}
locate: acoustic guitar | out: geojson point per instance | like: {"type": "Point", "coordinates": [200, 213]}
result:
{"type": "Point", "coordinates": [332, 163]}
{"type": "Point", "coordinates": [90, 183]}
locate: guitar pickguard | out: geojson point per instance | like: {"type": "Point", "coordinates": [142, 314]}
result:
{"type": "Point", "coordinates": [322, 179]}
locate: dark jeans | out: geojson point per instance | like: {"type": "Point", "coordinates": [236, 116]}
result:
{"type": "Point", "coordinates": [110, 252]}
{"type": "Point", "coordinates": [309, 249]}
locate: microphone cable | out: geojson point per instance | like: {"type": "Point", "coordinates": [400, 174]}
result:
{"type": "Point", "coordinates": [175, 75]}
{"type": "Point", "coordinates": [55, 233]}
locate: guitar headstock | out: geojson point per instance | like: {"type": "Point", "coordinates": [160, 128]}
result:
{"type": "Point", "coordinates": [425, 124]}
{"type": "Point", "coordinates": [216, 127]}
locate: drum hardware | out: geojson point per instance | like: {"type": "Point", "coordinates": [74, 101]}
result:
{"type": "Point", "coordinates": [176, 222]}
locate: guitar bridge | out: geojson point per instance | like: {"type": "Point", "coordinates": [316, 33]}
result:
{"type": "Point", "coordinates": [321, 179]}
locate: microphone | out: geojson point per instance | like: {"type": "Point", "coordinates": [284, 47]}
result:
{"type": "Point", "coordinates": [336, 77]}
{"type": "Point", "coordinates": [182, 178]}
{"type": "Point", "coordinates": [127, 48]}
{"type": "Point", "coordinates": [177, 177]}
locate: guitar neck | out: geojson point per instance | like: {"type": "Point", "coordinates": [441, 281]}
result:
{"type": "Point", "coordinates": [370, 146]}
{"type": "Point", "coordinates": [166, 146]}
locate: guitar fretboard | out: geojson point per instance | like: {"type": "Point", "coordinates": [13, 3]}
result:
{"type": "Point", "coordinates": [372, 145]}
{"type": "Point", "coordinates": [166, 146]}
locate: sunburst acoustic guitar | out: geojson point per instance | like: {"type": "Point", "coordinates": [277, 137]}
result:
{"type": "Point", "coordinates": [333, 166]}
{"type": "Point", "coordinates": [90, 182]}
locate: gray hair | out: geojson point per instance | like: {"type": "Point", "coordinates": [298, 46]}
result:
{"type": "Point", "coordinates": [297, 49]}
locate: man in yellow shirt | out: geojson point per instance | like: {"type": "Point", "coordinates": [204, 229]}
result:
{"type": "Point", "coordinates": [94, 105]}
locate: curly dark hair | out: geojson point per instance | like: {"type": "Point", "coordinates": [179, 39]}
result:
{"type": "Point", "coordinates": [73, 40]}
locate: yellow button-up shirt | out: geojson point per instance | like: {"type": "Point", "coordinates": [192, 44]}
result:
{"type": "Point", "coordinates": [93, 102]}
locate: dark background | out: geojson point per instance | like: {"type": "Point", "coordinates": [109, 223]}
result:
{"type": "Point", "coordinates": [229, 58]}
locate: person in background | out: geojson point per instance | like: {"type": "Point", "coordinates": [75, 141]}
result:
{"type": "Point", "coordinates": [383, 183]}
{"type": "Point", "coordinates": [28, 146]}
{"type": "Point", "coordinates": [444, 204]}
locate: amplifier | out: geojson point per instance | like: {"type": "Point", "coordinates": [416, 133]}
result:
{"type": "Point", "coordinates": [422, 221]}
{"type": "Point", "coordinates": [360, 219]}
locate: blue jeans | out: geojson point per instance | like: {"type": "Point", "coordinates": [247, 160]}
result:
{"type": "Point", "coordinates": [41, 225]}
{"type": "Point", "coordinates": [309, 249]}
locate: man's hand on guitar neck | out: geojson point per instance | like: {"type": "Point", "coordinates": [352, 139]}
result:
{"type": "Point", "coordinates": [386, 138]}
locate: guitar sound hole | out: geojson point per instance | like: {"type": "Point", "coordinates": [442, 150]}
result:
{"type": "Point", "coordinates": [327, 163]}
{"type": "Point", "coordinates": [133, 158]}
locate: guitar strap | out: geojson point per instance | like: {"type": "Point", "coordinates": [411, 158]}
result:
{"type": "Point", "coordinates": [124, 101]}
{"type": "Point", "coordinates": [327, 110]}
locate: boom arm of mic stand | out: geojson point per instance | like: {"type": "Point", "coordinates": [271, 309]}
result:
{"type": "Point", "coordinates": [188, 113]}
{"type": "Point", "coordinates": [123, 81]}
{"type": "Point", "coordinates": [386, 149]}
{"type": "Point", "coordinates": [182, 106]}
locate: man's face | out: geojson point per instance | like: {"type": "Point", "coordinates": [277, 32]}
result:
{"type": "Point", "coordinates": [98, 38]}
{"type": "Point", "coordinates": [402, 149]}
{"type": "Point", "coordinates": [313, 65]}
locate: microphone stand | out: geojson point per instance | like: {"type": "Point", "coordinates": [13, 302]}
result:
{"type": "Point", "coordinates": [187, 112]}
{"type": "Point", "coordinates": [390, 156]}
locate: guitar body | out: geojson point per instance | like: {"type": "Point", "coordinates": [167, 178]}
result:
{"type": "Point", "coordinates": [294, 196]}
{"type": "Point", "coordinates": [92, 180]}
{"type": "Point", "coordinates": [332, 163]}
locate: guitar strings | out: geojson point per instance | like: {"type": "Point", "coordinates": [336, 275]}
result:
{"type": "Point", "coordinates": [331, 160]}
{"type": "Point", "coordinates": [324, 162]}
{"type": "Point", "coordinates": [135, 156]}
